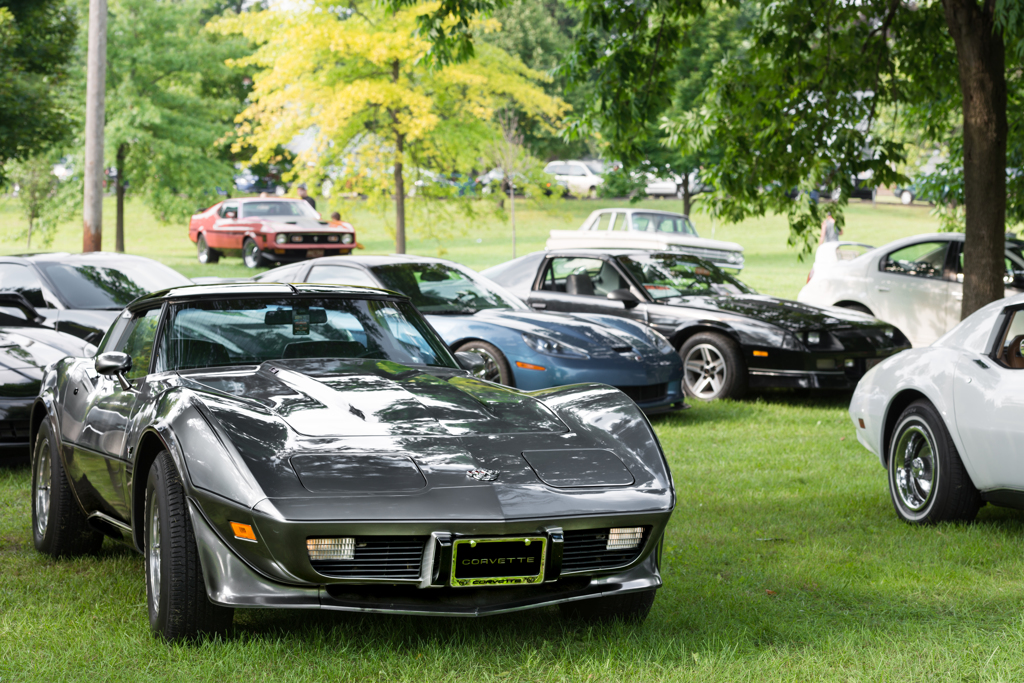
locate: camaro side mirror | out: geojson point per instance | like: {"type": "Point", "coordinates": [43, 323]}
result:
{"type": "Point", "coordinates": [471, 361]}
{"type": "Point", "coordinates": [115, 363]}
{"type": "Point", "coordinates": [625, 296]}
{"type": "Point", "coordinates": [230, 214]}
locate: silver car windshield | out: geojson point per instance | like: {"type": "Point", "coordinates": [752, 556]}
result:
{"type": "Point", "coordinates": [439, 289]}
{"type": "Point", "coordinates": [277, 207]}
{"type": "Point", "coordinates": [661, 222]}
{"type": "Point", "coordinates": [250, 331]}
{"type": "Point", "coordinates": [666, 276]}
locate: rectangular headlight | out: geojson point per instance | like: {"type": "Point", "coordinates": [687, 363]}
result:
{"type": "Point", "coordinates": [624, 538]}
{"type": "Point", "coordinates": [343, 548]}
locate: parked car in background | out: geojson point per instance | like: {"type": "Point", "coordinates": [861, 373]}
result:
{"type": "Point", "coordinates": [581, 178]}
{"type": "Point", "coordinates": [646, 229]}
{"type": "Point", "coordinates": [27, 347]}
{"type": "Point", "coordinates": [520, 347]}
{"type": "Point", "coordinates": [915, 283]}
{"type": "Point", "coordinates": [729, 337]}
{"type": "Point", "coordinates": [81, 294]}
{"type": "Point", "coordinates": [906, 194]}
{"type": "Point", "coordinates": [267, 231]}
{"type": "Point", "coordinates": [672, 185]}
{"type": "Point", "coordinates": [318, 447]}
{"type": "Point", "coordinates": [945, 421]}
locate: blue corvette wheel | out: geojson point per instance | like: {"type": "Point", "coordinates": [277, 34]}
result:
{"type": "Point", "coordinates": [496, 367]}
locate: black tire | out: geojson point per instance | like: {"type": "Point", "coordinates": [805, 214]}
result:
{"type": "Point", "coordinates": [713, 367]}
{"type": "Point", "coordinates": [496, 368]}
{"type": "Point", "coordinates": [927, 479]}
{"type": "Point", "coordinates": [204, 252]}
{"type": "Point", "coordinates": [179, 608]}
{"type": "Point", "coordinates": [251, 254]}
{"type": "Point", "coordinates": [854, 306]}
{"type": "Point", "coordinates": [631, 608]}
{"type": "Point", "coordinates": [59, 526]}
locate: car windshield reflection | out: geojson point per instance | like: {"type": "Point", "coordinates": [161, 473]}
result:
{"type": "Point", "coordinates": [439, 289]}
{"type": "Point", "coordinates": [670, 276]}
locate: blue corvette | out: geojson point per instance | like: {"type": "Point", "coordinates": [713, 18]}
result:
{"type": "Point", "coordinates": [520, 347]}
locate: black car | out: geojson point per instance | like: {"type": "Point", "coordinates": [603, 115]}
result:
{"type": "Point", "coordinates": [729, 336]}
{"type": "Point", "coordinates": [81, 294]}
{"type": "Point", "coordinates": [26, 348]}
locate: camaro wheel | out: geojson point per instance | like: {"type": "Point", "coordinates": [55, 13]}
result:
{"type": "Point", "coordinates": [927, 480]}
{"type": "Point", "coordinates": [59, 527]}
{"type": "Point", "coordinates": [496, 367]}
{"type": "Point", "coordinates": [713, 367]}
{"type": "Point", "coordinates": [204, 253]}
{"type": "Point", "coordinates": [251, 254]}
{"type": "Point", "coordinates": [631, 607]}
{"type": "Point", "coordinates": [175, 590]}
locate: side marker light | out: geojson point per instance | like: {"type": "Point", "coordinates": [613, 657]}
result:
{"type": "Point", "coordinates": [761, 354]}
{"type": "Point", "coordinates": [860, 421]}
{"type": "Point", "coordinates": [243, 531]}
{"type": "Point", "coordinates": [529, 366]}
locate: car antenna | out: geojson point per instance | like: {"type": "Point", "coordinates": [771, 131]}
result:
{"type": "Point", "coordinates": [295, 290]}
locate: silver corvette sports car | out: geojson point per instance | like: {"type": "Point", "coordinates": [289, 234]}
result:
{"type": "Point", "coordinates": [306, 446]}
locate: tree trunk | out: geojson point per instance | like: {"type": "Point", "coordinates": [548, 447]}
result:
{"type": "Point", "coordinates": [512, 201]}
{"type": "Point", "coordinates": [122, 152]}
{"type": "Point", "coordinates": [399, 196]}
{"type": "Point", "coordinates": [687, 197]}
{"type": "Point", "coordinates": [982, 68]}
{"type": "Point", "coordinates": [96, 74]}
{"type": "Point", "coordinates": [29, 246]}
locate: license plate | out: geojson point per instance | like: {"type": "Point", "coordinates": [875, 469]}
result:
{"type": "Point", "coordinates": [480, 562]}
{"type": "Point", "coordinates": [314, 253]}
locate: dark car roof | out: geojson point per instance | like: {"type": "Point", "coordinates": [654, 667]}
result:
{"type": "Point", "coordinates": [94, 257]}
{"type": "Point", "coordinates": [382, 260]}
{"type": "Point", "coordinates": [247, 289]}
{"type": "Point", "coordinates": [620, 251]}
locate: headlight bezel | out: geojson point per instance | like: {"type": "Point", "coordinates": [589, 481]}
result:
{"type": "Point", "coordinates": [552, 347]}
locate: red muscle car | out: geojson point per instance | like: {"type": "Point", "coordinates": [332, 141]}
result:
{"type": "Point", "coordinates": [268, 231]}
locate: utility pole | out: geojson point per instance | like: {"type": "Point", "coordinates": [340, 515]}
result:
{"type": "Point", "coordinates": [95, 112]}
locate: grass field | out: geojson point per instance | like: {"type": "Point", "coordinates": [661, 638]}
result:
{"type": "Point", "coordinates": [784, 560]}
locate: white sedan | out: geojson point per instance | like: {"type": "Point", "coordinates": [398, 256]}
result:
{"type": "Point", "coordinates": [581, 178]}
{"type": "Point", "coordinates": [915, 284]}
{"type": "Point", "coordinates": [945, 421]}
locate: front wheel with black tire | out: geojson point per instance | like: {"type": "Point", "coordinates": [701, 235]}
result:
{"type": "Point", "coordinates": [59, 526]}
{"type": "Point", "coordinates": [713, 367]}
{"type": "Point", "coordinates": [927, 479]}
{"type": "Point", "coordinates": [179, 608]}
{"type": "Point", "coordinates": [204, 252]}
{"type": "Point", "coordinates": [631, 608]}
{"type": "Point", "coordinates": [252, 256]}
{"type": "Point", "coordinates": [496, 367]}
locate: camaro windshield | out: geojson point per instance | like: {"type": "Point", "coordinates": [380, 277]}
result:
{"type": "Point", "coordinates": [278, 207]}
{"type": "Point", "coordinates": [99, 287]}
{"type": "Point", "coordinates": [440, 289]}
{"type": "Point", "coordinates": [249, 331]}
{"type": "Point", "coordinates": [665, 276]}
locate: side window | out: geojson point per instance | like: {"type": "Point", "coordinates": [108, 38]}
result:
{"type": "Point", "coordinates": [926, 259]}
{"type": "Point", "coordinates": [575, 170]}
{"type": "Point", "coordinates": [620, 222]}
{"type": "Point", "coordinates": [1013, 341]}
{"type": "Point", "coordinates": [579, 276]}
{"type": "Point", "coordinates": [340, 275]}
{"type": "Point", "coordinates": [15, 277]}
{"type": "Point", "coordinates": [286, 274]}
{"type": "Point", "coordinates": [115, 333]}
{"type": "Point", "coordinates": [139, 342]}
{"type": "Point", "coordinates": [603, 222]}
{"type": "Point", "coordinates": [1013, 276]}
{"type": "Point", "coordinates": [228, 207]}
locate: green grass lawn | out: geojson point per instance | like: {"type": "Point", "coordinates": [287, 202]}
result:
{"type": "Point", "coordinates": [783, 561]}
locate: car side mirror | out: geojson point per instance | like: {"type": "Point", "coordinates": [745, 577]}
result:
{"type": "Point", "coordinates": [625, 296]}
{"type": "Point", "coordinates": [468, 360]}
{"type": "Point", "coordinates": [230, 214]}
{"type": "Point", "coordinates": [115, 363]}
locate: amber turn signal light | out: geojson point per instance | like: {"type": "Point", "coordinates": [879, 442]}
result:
{"type": "Point", "coordinates": [860, 421]}
{"type": "Point", "coordinates": [761, 354]}
{"type": "Point", "coordinates": [529, 366]}
{"type": "Point", "coordinates": [243, 531]}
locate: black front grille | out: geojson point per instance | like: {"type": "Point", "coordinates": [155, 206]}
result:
{"type": "Point", "coordinates": [13, 431]}
{"type": "Point", "coordinates": [587, 551]}
{"type": "Point", "coordinates": [315, 239]}
{"type": "Point", "coordinates": [378, 557]}
{"type": "Point", "coordinates": [649, 392]}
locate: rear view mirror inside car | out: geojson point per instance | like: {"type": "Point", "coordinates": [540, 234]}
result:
{"type": "Point", "coordinates": [285, 316]}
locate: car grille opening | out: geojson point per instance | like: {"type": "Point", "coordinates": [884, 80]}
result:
{"type": "Point", "coordinates": [599, 549]}
{"type": "Point", "coordinates": [13, 431]}
{"type": "Point", "coordinates": [372, 557]}
{"type": "Point", "coordinates": [646, 393]}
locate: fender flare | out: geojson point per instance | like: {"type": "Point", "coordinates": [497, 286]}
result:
{"type": "Point", "coordinates": [689, 328]}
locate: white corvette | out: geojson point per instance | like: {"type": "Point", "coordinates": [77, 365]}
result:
{"type": "Point", "coordinates": [915, 283]}
{"type": "Point", "coordinates": [946, 420]}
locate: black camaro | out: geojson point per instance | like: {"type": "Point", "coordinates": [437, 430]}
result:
{"type": "Point", "coordinates": [730, 337]}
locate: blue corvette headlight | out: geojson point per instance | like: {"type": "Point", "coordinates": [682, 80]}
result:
{"type": "Point", "coordinates": [660, 341]}
{"type": "Point", "coordinates": [550, 347]}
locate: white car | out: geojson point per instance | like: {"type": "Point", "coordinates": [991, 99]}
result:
{"type": "Point", "coordinates": [581, 178]}
{"type": "Point", "coordinates": [672, 185]}
{"type": "Point", "coordinates": [646, 229]}
{"type": "Point", "coordinates": [915, 283]}
{"type": "Point", "coordinates": [945, 421]}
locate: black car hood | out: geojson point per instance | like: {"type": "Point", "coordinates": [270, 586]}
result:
{"type": "Point", "coordinates": [37, 347]}
{"type": "Point", "coordinates": [339, 398]}
{"type": "Point", "coordinates": [792, 316]}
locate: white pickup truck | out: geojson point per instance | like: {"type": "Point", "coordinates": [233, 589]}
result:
{"type": "Point", "coordinates": [646, 229]}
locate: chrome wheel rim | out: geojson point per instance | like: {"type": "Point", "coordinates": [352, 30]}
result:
{"type": "Point", "coordinates": [251, 254]}
{"type": "Point", "coordinates": [706, 371]}
{"type": "Point", "coordinates": [915, 468]}
{"type": "Point", "coordinates": [491, 371]}
{"type": "Point", "coordinates": [204, 253]}
{"type": "Point", "coordinates": [42, 487]}
{"type": "Point", "coordinates": [153, 555]}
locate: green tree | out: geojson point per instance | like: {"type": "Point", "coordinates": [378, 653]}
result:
{"type": "Point", "coordinates": [37, 38]}
{"type": "Point", "coordinates": [37, 192]}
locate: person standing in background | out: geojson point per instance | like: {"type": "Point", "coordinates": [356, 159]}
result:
{"type": "Point", "coordinates": [303, 194]}
{"type": "Point", "coordinates": [829, 231]}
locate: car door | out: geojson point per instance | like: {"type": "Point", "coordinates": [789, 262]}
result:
{"type": "Point", "coordinates": [225, 233]}
{"type": "Point", "coordinates": [99, 459]}
{"type": "Point", "coordinates": [577, 178]}
{"type": "Point", "coordinates": [988, 398]}
{"type": "Point", "coordinates": [911, 289]}
{"type": "Point", "coordinates": [573, 284]}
